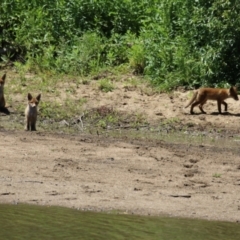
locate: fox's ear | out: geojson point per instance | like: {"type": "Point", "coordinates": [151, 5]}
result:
{"type": "Point", "coordinates": [38, 97]}
{"type": "Point", "coordinates": [232, 88]}
{"type": "Point", "coordinates": [4, 77]}
{"type": "Point", "coordinates": [29, 97]}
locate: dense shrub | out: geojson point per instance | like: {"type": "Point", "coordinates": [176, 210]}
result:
{"type": "Point", "coordinates": [172, 42]}
{"type": "Point", "coordinates": [40, 22]}
{"type": "Point", "coordinates": [193, 43]}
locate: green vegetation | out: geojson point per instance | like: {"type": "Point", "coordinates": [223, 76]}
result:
{"type": "Point", "coordinates": [217, 175]}
{"type": "Point", "coordinates": [105, 85]}
{"type": "Point", "coordinates": [171, 42]}
{"type": "Point", "coordinates": [38, 222]}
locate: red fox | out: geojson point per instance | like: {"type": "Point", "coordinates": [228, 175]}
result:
{"type": "Point", "coordinates": [31, 112]}
{"type": "Point", "coordinates": [201, 96]}
{"type": "Point", "coordinates": [2, 99]}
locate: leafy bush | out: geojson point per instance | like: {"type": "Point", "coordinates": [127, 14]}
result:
{"type": "Point", "coordinates": [193, 43]}
{"type": "Point", "coordinates": [171, 42]}
{"type": "Point", "coordinates": [82, 56]}
{"type": "Point", "coordinates": [36, 24]}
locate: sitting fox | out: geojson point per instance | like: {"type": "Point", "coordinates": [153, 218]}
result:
{"type": "Point", "coordinates": [31, 112]}
{"type": "Point", "coordinates": [2, 99]}
{"type": "Point", "coordinates": [201, 96]}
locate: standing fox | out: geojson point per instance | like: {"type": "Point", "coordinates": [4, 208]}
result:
{"type": "Point", "coordinates": [31, 112]}
{"type": "Point", "coordinates": [201, 96]}
{"type": "Point", "coordinates": [2, 99]}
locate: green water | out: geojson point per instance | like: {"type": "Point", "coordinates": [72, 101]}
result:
{"type": "Point", "coordinates": [38, 222]}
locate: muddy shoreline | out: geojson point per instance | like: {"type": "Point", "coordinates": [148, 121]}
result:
{"type": "Point", "coordinates": [135, 176]}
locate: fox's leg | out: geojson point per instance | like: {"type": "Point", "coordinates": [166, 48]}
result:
{"type": "Point", "coordinates": [219, 106]}
{"type": "Point", "coordinates": [201, 106]}
{"type": "Point", "coordinates": [225, 104]}
{"type": "Point", "coordinates": [27, 124]}
{"type": "Point", "coordinates": [194, 105]}
{"type": "Point", "coordinates": [33, 126]}
{"type": "Point", "coordinates": [4, 110]}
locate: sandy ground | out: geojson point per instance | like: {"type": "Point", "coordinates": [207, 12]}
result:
{"type": "Point", "coordinates": [149, 177]}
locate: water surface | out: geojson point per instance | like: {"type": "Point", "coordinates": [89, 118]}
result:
{"type": "Point", "coordinates": [41, 222]}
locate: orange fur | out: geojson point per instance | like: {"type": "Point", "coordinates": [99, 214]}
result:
{"type": "Point", "coordinates": [201, 96]}
{"type": "Point", "coordinates": [31, 112]}
{"type": "Point", "coordinates": [2, 99]}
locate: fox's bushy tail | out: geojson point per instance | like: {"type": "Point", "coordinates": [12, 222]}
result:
{"type": "Point", "coordinates": [192, 99]}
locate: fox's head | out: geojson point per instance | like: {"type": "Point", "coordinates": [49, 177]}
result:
{"type": "Point", "coordinates": [233, 93]}
{"type": "Point", "coordinates": [2, 81]}
{"type": "Point", "coordinates": [33, 102]}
